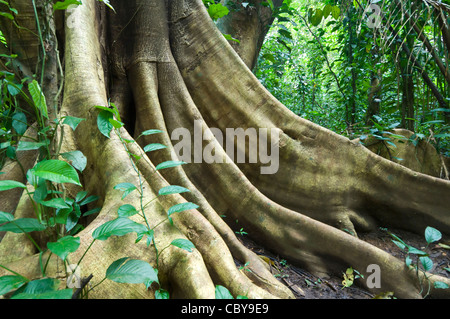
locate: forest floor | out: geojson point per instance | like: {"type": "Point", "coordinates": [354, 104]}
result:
{"type": "Point", "coordinates": [306, 285]}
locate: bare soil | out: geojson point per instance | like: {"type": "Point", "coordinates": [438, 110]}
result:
{"type": "Point", "coordinates": [306, 285]}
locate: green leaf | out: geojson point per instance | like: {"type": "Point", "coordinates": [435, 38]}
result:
{"type": "Point", "coordinates": [11, 152]}
{"type": "Point", "coordinates": [217, 11]}
{"type": "Point", "coordinates": [336, 12]}
{"type": "Point", "coordinates": [88, 200]}
{"type": "Point", "coordinates": [14, 88]}
{"type": "Point", "coordinates": [56, 171]}
{"type": "Point", "coordinates": [28, 146]}
{"type": "Point", "coordinates": [92, 211]}
{"type": "Point", "coordinates": [327, 10]}
{"type": "Point", "coordinates": [316, 18]}
{"type": "Point", "coordinates": [7, 15]}
{"type": "Point", "coordinates": [5, 217]}
{"type": "Point", "coordinates": [230, 38]}
{"type": "Point", "coordinates": [183, 244]}
{"type": "Point", "coordinates": [432, 235]}
{"type": "Point", "coordinates": [62, 214]}
{"type": "Point", "coordinates": [442, 135]}
{"type": "Point", "coordinates": [39, 286]}
{"type": "Point", "coordinates": [440, 110]}
{"type": "Point", "coordinates": [154, 147]}
{"type": "Point", "coordinates": [77, 158]}
{"type": "Point", "coordinates": [38, 97]}
{"type": "Point", "coordinates": [103, 122]}
{"type": "Point", "coordinates": [161, 294]}
{"type": "Point", "coordinates": [11, 282]}
{"type": "Point", "coordinates": [64, 5]}
{"type": "Point", "coordinates": [72, 220]}
{"type": "Point", "coordinates": [415, 251]}
{"type": "Point", "coordinates": [169, 164]}
{"type": "Point", "coordinates": [172, 189]}
{"type": "Point", "coordinates": [64, 246]}
{"type": "Point", "coordinates": [151, 132]}
{"type": "Point", "coordinates": [223, 293]}
{"type": "Point", "coordinates": [127, 188]}
{"type": "Point", "coordinates": [23, 225]}
{"type": "Point", "coordinates": [19, 123]}
{"type": "Point", "coordinates": [440, 285]}
{"type": "Point", "coordinates": [72, 121]}
{"type": "Point", "coordinates": [105, 108]}
{"type": "Point", "coordinates": [148, 233]}
{"type": "Point", "coordinates": [57, 294]}
{"type": "Point", "coordinates": [6, 185]}
{"type": "Point", "coordinates": [132, 271]}
{"type": "Point", "coordinates": [117, 227]}
{"type": "Point", "coordinates": [117, 124]}
{"type": "Point", "coordinates": [127, 210]}
{"type": "Point", "coordinates": [427, 263]}
{"type": "Point", "coordinates": [270, 57]}
{"type": "Point", "coordinates": [55, 203]}
{"type": "Point", "coordinates": [181, 207]}
{"type": "Point", "coordinates": [408, 260]}
{"type": "Point", "coordinates": [80, 196]}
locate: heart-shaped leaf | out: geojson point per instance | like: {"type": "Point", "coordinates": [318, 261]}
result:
{"type": "Point", "coordinates": [183, 244]}
{"type": "Point", "coordinates": [6, 185]}
{"type": "Point", "coordinates": [126, 188]}
{"type": "Point", "coordinates": [181, 207]}
{"type": "Point", "coordinates": [56, 294]}
{"type": "Point", "coordinates": [77, 158]}
{"type": "Point", "coordinates": [103, 123]}
{"type": "Point", "coordinates": [117, 227]}
{"type": "Point", "coordinates": [38, 97]}
{"type": "Point", "coordinates": [432, 235]}
{"type": "Point", "coordinates": [11, 282]}
{"type": "Point", "coordinates": [127, 210]}
{"type": "Point", "coordinates": [56, 171]}
{"type": "Point", "coordinates": [172, 189]}
{"type": "Point", "coordinates": [223, 293]}
{"type": "Point", "coordinates": [72, 121]}
{"type": "Point", "coordinates": [6, 217]}
{"type": "Point", "coordinates": [23, 225]}
{"type": "Point", "coordinates": [64, 246]}
{"type": "Point", "coordinates": [169, 164]}
{"type": "Point", "coordinates": [154, 147]}
{"type": "Point", "coordinates": [132, 271]}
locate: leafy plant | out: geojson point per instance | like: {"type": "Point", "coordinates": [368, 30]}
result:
{"type": "Point", "coordinates": [223, 293]}
{"type": "Point", "coordinates": [350, 276]}
{"type": "Point", "coordinates": [420, 260]}
{"type": "Point", "coordinates": [55, 213]}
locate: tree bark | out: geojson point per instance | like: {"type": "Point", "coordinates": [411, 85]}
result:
{"type": "Point", "coordinates": [249, 25]}
{"type": "Point", "coordinates": [165, 64]}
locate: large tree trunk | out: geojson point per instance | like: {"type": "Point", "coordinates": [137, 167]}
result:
{"type": "Point", "coordinates": [249, 25]}
{"type": "Point", "coordinates": [165, 65]}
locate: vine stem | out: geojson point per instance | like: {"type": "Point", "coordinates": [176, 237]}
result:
{"type": "Point", "coordinates": [12, 271]}
{"type": "Point", "coordinates": [42, 42]}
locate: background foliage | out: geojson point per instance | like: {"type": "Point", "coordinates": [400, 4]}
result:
{"type": "Point", "coordinates": [334, 63]}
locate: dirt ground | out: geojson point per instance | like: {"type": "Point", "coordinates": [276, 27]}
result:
{"type": "Point", "coordinates": [305, 285]}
